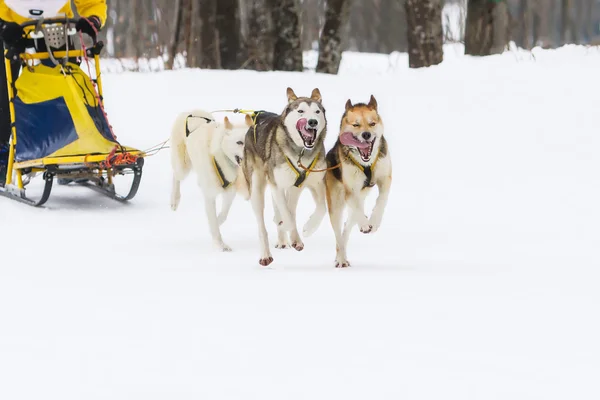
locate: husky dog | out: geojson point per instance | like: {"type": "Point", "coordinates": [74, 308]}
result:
{"type": "Point", "coordinates": [358, 161]}
{"type": "Point", "coordinates": [214, 151]}
{"type": "Point", "coordinates": [287, 152]}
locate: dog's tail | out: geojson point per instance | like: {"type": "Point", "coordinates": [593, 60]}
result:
{"type": "Point", "coordinates": [180, 161]}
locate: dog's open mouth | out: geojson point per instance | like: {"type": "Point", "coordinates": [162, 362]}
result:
{"type": "Point", "coordinates": [307, 133]}
{"type": "Point", "coordinates": [365, 152]}
{"type": "Point", "coordinates": [365, 149]}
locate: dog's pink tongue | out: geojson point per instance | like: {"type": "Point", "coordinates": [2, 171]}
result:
{"type": "Point", "coordinates": [301, 125]}
{"type": "Point", "coordinates": [348, 139]}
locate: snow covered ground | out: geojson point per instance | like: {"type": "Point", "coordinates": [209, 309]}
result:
{"type": "Point", "coordinates": [482, 282]}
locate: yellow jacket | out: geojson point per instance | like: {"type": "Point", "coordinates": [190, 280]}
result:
{"type": "Point", "coordinates": [85, 8]}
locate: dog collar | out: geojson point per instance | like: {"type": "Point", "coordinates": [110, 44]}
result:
{"type": "Point", "coordinates": [301, 175]}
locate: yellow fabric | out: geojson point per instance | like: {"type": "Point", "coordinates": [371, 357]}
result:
{"type": "Point", "coordinates": [85, 8]}
{"type": "Point", "coordinates": [46, 83]}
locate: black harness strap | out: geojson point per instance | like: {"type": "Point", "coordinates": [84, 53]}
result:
{"type": "Point", "coordinates": [367, 170]}
{"type": "Point", "coordinates": [187, 129]}
{"type": "Point", "coordinates": [224, 182]}
{"type": "Point", "coordinates": [301, 175]}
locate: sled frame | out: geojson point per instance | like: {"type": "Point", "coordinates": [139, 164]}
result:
{"type": "Point", "coordinates": [87, 166]}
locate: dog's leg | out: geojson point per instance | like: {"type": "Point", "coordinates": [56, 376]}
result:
{"type": "Point", "coordinates": [318, 194]}
{"type": "Point", "coordinates": [282, 234]}
{"type": "Point", "coordinates": [280, 201]}
{"type": "Point", "coordinates": [342, 260]}
{"type": "Point", "coordinates": [210, 204]}
{"type": "Point", "coordinates": [228, 197]}
{"type": "Point", "coordinates": [357, 212]}
{"type": "Point", "coordinates": [257, 198]}
{"type": "Point", "coordinates": [293, 195]}
{"type": "Point", "coordinates": [384, 190]}
{"type": "Point", "coordinates": [336, 206]}
{"type": "Point", "coordinates": [175, 193]}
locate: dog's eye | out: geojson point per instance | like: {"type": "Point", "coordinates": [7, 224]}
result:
{"type": "Point", "coordinates": [240, 143]}
{"type": "Point", "coordinates": [300, 111]}
{"type": "Point", "coordinates": [318, 111]}
{"type": "Point", "coordinates": [372, 124]}
{"type": "Point", "coordinates": [356, 125]}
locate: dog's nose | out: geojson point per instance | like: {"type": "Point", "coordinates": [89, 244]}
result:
{"type": "Point", "coordinates": [312, 123]}
{"type": "Point", "coordinates": [366, 135]}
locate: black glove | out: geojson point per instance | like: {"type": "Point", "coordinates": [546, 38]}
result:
{"type": "Point", "coordinates": [12, 33]}
{"type": "Point", "coordinates": [90, 26]}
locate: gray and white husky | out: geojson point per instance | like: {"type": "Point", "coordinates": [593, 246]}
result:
{"type": "Point", "coordinates": [214, 151]}
{"type": "Point", "coordinates": [286, 152]}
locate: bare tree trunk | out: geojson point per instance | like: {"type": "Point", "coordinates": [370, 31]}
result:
{"type": "Point", "coordinates": [229, 27]}
{"type": "Point", "coordinates": [588, 24]}
{"type": "Point", "coordinates": [260, 43]}
{"type": "Point", "coordinates": [288, 43]}
{"type": "Point", "coordinates": [392, 28]}
{"type": "Point", "coordinates": [330, 49]}
{"type": "Point", "coordinates": [176, 37]}
{"type": "Point", "coordinates": [565, 21]}
{"type": "Point", "coordinates": [486, 30]}
{"type": "Point", "coordinates": [524, 35]}
{"type": "Point", "coordinates": [425, 32]}
{"type": "Point", "coordinates": [211, 53]}
{"type": "Point", "coordinates": [543, 11]}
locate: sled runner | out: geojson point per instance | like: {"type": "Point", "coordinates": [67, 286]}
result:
{"type": "Point", "coordinates": [59, 127]}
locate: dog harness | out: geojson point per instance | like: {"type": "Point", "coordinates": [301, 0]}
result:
{"type": "Point", "coordinates": [301, 175]}
{"type": "Point", "coordinates": [367, 170]}
{"type": "Point", "coordinates": [224, 182]}
{"type": "Point", "coordinates": [187, 129]}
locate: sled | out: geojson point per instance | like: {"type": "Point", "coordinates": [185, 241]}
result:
{"type": "Point", "coordinates": [59, 127]}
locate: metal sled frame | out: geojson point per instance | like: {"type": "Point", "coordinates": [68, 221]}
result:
{"type": "Point", "coordinates": [84, 170]}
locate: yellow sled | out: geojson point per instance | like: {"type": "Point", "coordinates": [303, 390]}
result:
{"type": "Point", "coordinates": [59, 127]}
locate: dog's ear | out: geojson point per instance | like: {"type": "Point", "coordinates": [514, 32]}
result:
{"type": "Point", "coordinates": [228, 124]}
{"type": "Point", "coordinates": [348, 104]}
{"type": "Point", "coordinates": [248, 120]}
{"type": "Point", "coordinates": [316, 95]}
{"type": "Point", "coordinates": [291, 95]}
{"type": "Point", "coordinates": [373, 103]}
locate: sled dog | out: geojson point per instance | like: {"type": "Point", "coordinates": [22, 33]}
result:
{"type": "Point", "coordinates": [286, 152]}
{"type": "Point", "coordinates": [363, 161]}
{"type": "Point", "coordinates": [214, 151]}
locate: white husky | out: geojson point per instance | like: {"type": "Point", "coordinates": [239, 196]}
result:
{"type": "Point", "coordinates": [214, 151]}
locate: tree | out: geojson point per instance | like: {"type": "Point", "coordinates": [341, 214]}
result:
{"type": "Point", "coordinates": [260, 41]}
{"type": "Point", "coordinates": [209, 36]}
{"type": "Point", "coordinates": [330, 48]}
{"type": "Point", "coordinates": [425, 32]}
{"type": "Point", "coordinates": [486, 30]}
{"type": "Point", "coordinates": [229, 33]}
{"type": "Point", "coordinates": [288, 44]}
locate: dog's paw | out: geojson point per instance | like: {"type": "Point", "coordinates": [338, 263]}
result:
{"type": "Point", "coordinates": [342, 263]}
{"type": "Point", "coordinates": [309, 228]}
{"type": "Point", "coordinates": [226, 249]}
{"type": "Point", "coordinates": [282, 245]}
{"type": "Point", "coordinates": [222, 247]}
{"type": "Point", "coordinates": [174, 206]}
{"type": "Point", "coordinates": [375, 223]}
{"type": "Point", "coordinates": [298, 245]}
{"type": "Point", "coordinates": [265, 261]}
{"type": "Point", "coordinates": [366, 228]}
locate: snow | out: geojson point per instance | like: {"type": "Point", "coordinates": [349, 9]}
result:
{"type": "Point", "coordinates": [482, 282]}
